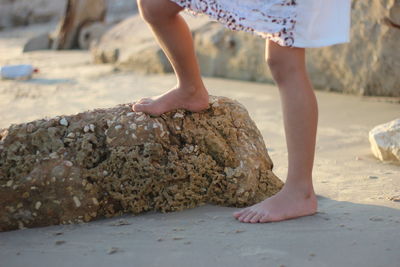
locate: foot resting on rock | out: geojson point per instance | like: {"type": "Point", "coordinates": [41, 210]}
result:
{"type": "Point", "coordinates": [287, 204]}
{"type": "Point", "coordinates": [195, 100]}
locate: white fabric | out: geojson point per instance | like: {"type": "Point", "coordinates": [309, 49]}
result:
{"type": "Point", "coordinates": [299, 23]}
{"type": "Point", "coordinates": [322, 22]}
{"type": "Point", "coordinates": [271, 19]}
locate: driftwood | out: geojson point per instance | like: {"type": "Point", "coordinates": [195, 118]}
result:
{"type": "Point", "coordinates": [107, 162]}
{"type": "Point", "coordinates": [78, 14]}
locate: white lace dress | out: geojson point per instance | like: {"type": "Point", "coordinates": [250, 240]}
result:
{"type": "Point", "coordinates": [297, 23]}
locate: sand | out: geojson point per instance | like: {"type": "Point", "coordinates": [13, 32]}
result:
{"type": "Point", "coordinates": [359, 210]}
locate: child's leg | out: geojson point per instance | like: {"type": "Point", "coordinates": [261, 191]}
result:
{"type": "Point", "coordinates": [174, 37]}
{"type": "Point", "coordinates": [300, 113]}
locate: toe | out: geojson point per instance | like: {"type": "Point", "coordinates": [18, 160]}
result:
{"type": "Point", "coordinates": [148, 108]}
{"type": "Point", "coordinates": [239, 213]}
{"type": "Point", "coordinates": [249, 217]}
{"type": "Point", "coordinates": [256, 218]}
{"type": "Point", "coordinates": [244, 214]}
{"type": "Point", "coordinates": [139, 107]}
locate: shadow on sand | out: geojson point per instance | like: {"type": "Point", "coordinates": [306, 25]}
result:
{"type": "Point", "coordinates": [340, 234]}
{"type": "Point", "coordinates": [43, 81]}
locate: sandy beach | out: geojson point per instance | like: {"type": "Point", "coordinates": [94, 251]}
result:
{"type": "Point", "coordinates": [358, 219]}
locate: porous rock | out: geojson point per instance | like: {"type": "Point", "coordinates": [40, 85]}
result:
{"type": "Point", "coordinates": [385, 141]}
{"type": "Point", "coordinates": [107, 162]}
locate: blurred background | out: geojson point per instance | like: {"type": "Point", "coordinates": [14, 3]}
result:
{"type": "Point", "coordinates": [114, 33]}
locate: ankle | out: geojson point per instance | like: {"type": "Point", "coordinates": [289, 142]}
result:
{"type": "Point", "coordinates": [302, 188]}
{"type": "Point", "coordinates": [191, 90]}
{"type": "Point", "coordinates": [191, 86]}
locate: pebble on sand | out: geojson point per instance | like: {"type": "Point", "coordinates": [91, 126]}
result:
{"type": "Point", "coordinates": [395, 198]}
{"type": "Point", "coordinates": [58, 233]}
{"type": "Point", "coordinates": [60, 242]}
{"type": "Point", "coordinates": [376, 219]}
{"type": "Point", "coordinates": [120, 223]}
{"type": "Point", "coordinates": [114, 250]}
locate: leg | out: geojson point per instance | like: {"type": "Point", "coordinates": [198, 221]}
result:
{"type": "Point", "coordinates": [174, 37]}
{"type": "Point", "coordinates": [300, 113]}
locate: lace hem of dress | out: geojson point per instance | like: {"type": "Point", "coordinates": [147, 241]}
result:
{"type": "Point", "coordinates": [275, 21]}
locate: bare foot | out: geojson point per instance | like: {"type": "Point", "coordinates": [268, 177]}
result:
{"type": "Point", "coordinates": [194, 100]}
{"type": "Point", "coordinates": [289, 203]}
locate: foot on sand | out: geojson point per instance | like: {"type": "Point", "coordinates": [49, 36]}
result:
{"type": "Point", "coordinates": [193, 99]}
{"type": "Point", "coordinates": [286, 204]}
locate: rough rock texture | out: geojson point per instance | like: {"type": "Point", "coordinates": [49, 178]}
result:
{"type": "Point", "coordinates": [385, 141]}
{"type": "Point", "coordinates": [111, 161]}
{"type": "Point", "coordinates": [366, 66]}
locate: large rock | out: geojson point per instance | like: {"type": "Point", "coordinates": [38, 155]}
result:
{"type": "Point", "coordinates": [112, 161]}
{"type": "Point", "coordinates": [385, 141]}
{"type": "Point", "coordinates": [366, 66]}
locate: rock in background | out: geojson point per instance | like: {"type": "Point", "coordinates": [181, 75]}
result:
{"type": "Point", "coordinates": [385, 141]}
{"type": "Point", "coordinates": [82, 21]}
{"type": "Point", "coordinates": [131, 45]}
{"type": "Point", "coordinates": [39, 42]}
{"type": "Point", "coordinates": [112, 161]}
{"type": "Point", "coordinates": [369, 65]}
{"type": "Point", "coordinates": [26, 12]}
{"type": "Point", "coordinates": [92, 32]}
{"type": "Point", "coordinates": [79, 15]}
{"type": "Point", "coordinates": [366, 66]}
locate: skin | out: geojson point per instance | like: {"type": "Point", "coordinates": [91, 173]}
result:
{"type": "Point", "coordinates": [175, 38]}
{"type": "Point", "coordinates": [300, 111]}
